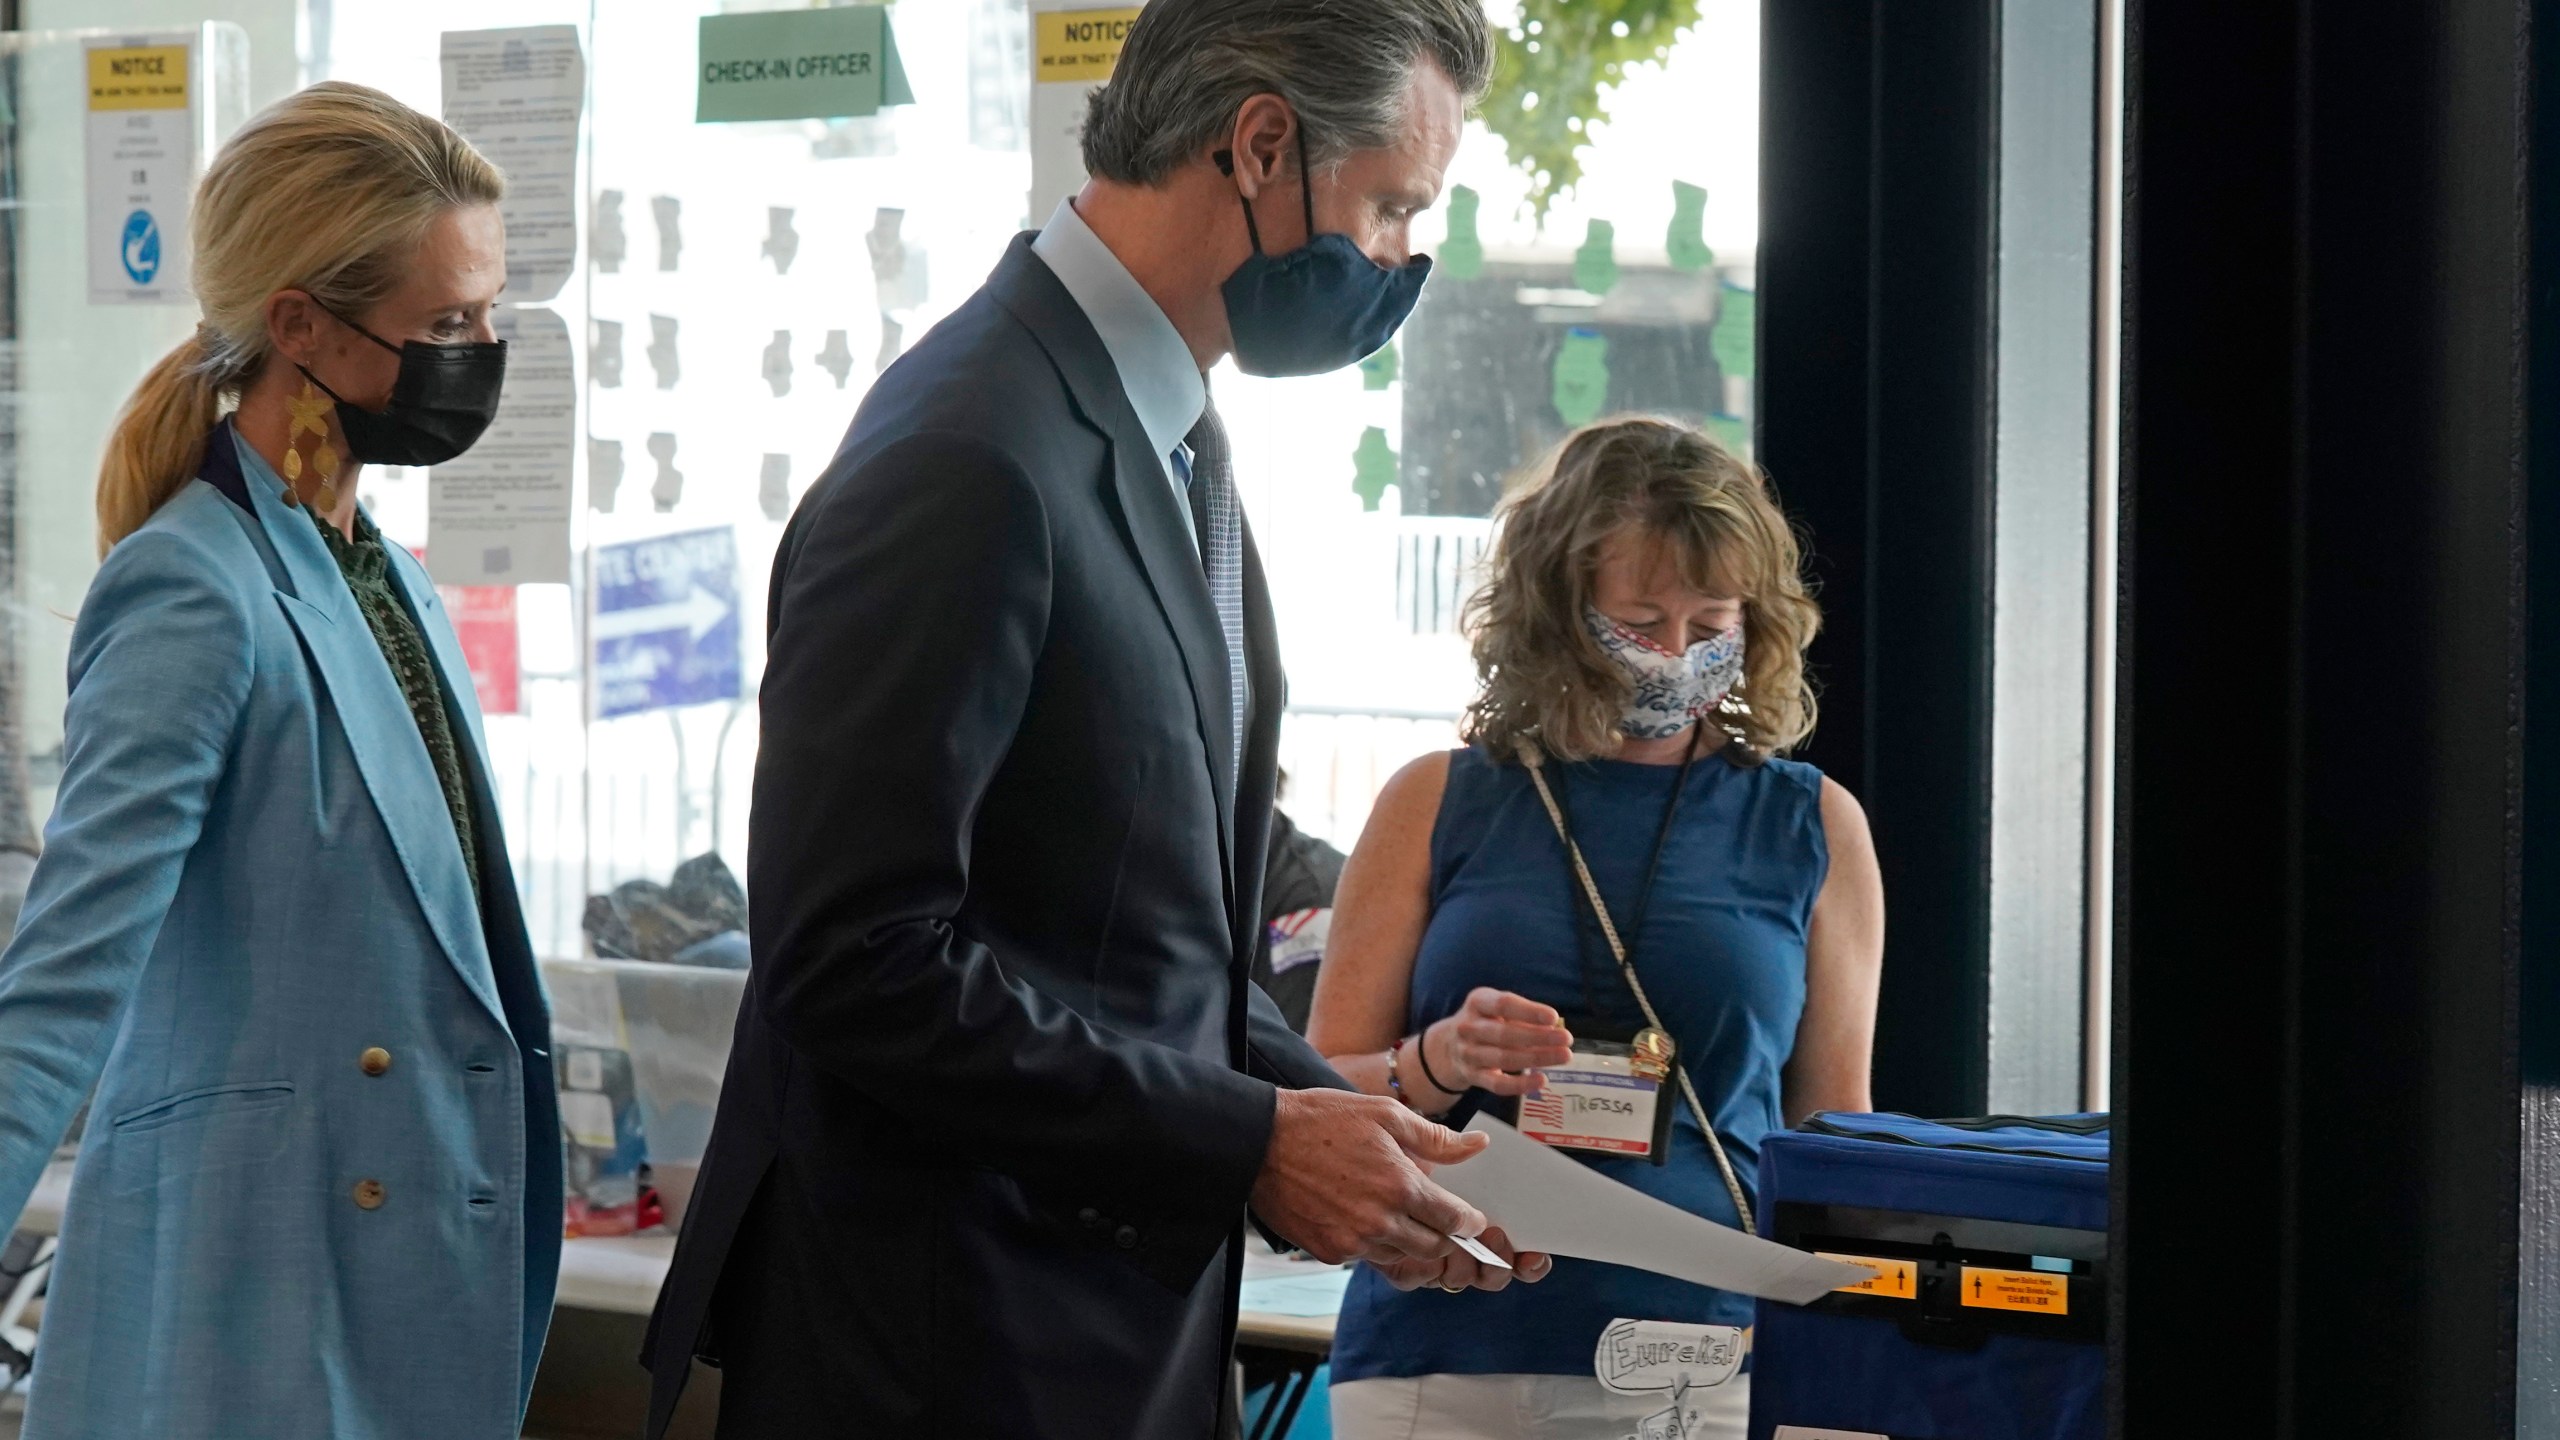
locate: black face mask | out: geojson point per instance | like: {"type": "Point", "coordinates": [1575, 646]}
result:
{"type": "Point", "coordinates": [1319, 307]}
{"type": "Point", "coordinates": [444, 399]}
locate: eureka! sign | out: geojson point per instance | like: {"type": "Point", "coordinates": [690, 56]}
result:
{"type": "Point", "coordinates": [798, 65]}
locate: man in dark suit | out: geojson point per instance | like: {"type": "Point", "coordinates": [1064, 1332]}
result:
{"type": "Point", "coordinates": [1001, 1094]}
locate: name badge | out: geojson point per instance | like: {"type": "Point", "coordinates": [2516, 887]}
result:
{"type": "Point", "coordinates": [1603, 1101]}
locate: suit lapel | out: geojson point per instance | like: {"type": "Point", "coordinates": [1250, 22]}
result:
{"type": "Point", "coordinates": [1257, 782]}
{"type": "Point", "coordinates": [382, 734]}
{"type": "Point", "coordinates": [1142, 498]}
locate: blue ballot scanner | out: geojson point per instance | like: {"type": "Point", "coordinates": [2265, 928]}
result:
{"type": "Point", "coordinates": [1985, 1318]}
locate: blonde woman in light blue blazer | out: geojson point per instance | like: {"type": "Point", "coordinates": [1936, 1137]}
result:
{"type": "Point", "coordinates": [319, 1193]}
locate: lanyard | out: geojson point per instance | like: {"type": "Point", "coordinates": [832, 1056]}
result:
{"type": "Point", "coordinates": [1534, 759]}
{"type": "Point", "coordinates": [1577, 904]}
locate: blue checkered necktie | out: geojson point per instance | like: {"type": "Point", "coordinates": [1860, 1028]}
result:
{"type": "Point", "coordinates": [1218, 522]}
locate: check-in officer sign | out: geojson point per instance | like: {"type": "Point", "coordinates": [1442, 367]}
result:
{"type": "Point", "coordinates": [141, 166]}
{"type": "Point", "coordinates": [798, 65]}
{"type": "Point", "coordinates": [666, 623]}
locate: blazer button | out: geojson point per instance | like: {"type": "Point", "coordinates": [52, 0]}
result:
{"type": "Point", "coordinates": [369, 1194]}
{"type": "Point", "coordinates": [1126, 1237]}
{"type": "Point", "coordinates": [375, 1061]}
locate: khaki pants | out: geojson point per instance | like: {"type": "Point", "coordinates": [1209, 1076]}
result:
{"type": "Point", "coordinates": [1530, 1407]}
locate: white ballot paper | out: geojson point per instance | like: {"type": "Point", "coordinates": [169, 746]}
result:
{"type": "Point", "coordinates": [1550, 1203]}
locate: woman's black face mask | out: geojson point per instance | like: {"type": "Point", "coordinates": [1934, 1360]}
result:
{"type": "Point", "coordinates": [441, 404]}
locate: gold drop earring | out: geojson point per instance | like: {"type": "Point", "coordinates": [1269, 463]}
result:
{"type": "Point", "coordinates": [307, 447]}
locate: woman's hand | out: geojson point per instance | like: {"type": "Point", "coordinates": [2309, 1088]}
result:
{"type": "Point", "coordinates": [1497, 1041]}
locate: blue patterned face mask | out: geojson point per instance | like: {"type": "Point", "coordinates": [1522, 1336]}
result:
{"type": "Point", "coordinates": [1672, 690]}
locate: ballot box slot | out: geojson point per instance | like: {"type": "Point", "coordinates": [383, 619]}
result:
{"type": "Point", "coordinates": [1955, 1281]}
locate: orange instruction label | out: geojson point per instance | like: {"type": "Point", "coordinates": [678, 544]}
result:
{"type": "Point", "coordinates": [1893, 1280]}
{"type": "Point", "coordinates": [2041, 1292]}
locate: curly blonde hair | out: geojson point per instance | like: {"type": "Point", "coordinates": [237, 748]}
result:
{"type": "Point", "coordinates": [1541, 676]}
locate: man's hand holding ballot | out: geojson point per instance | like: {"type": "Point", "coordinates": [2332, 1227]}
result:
{"type": "Point", "coordinates": [1347, 1177]}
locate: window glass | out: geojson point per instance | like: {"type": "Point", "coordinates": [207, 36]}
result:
{"type": "Point", "coordinates": [740, 285]}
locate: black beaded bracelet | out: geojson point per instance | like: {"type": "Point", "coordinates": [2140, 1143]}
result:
{"type": "Point", "coordinates": [1422, 1053]}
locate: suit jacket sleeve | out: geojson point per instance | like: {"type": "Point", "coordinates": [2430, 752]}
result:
{"type": "Point", "coordinates": [161, 661]}
{"type": "Point", "coordinates": [1281, 1055]}
{"type": "Point", "coordinates": [909, 610]}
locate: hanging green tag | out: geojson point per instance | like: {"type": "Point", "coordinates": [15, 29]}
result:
{"type": "Point", "coordinates": [798, 65]}
{"type": "Point", "coordinates": [1687, 240]}
{"type": "Point", "coordinates": [1733, 341]}
{"type": "Point", "coordinates": [1582, 376]}
{"type": "Point", "coordinates": [1461, 255]}
{"type": "Point", "coordinates": [1373, 466]}
{"type": "Point", "coordinates": [1595, 265]}
{"type": "Point", "coordinates": [1380, 370]}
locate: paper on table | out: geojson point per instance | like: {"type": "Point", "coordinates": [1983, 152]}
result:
{"type": "Point", "coordinates": [1549, 1203]}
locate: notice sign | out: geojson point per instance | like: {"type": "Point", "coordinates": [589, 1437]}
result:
{"type": "Point", "coordinates": [1078, 45]}
{"type": "Point", "coordinates": [141, 167]}
{"type": "Point", "coordinates": [666, 626]}
{"type": "Point", "coordinates": [516, 95]}
{"type": "Point", "coordinates": [498, 513]}
{"type": "Point", "coordinates": [798, 65]}
{"type": "Point", "coordinates": [1074, 47]}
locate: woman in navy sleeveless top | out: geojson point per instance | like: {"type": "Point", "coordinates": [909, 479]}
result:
{"type": "Point", "coordinates": [1641, 632]}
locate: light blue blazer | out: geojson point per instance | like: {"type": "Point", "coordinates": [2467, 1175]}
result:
{"type": "Point", "coordinates": [250, 880]}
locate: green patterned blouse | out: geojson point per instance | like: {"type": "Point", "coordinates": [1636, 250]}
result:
{"type": "Point", "coordinates": [368, 571]}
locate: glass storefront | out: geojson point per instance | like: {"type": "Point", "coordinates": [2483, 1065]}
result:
{"type": "Point", "coordinates": [737, 286]}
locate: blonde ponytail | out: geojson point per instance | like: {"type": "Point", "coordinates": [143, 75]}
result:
{"type": "Point", "coordinates": [363, 177]}
{"type": "Point", "coordinates": [158, 441]}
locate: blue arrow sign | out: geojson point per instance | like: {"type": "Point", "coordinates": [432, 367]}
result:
{"type": "Point", "coordinates": [666, 623]}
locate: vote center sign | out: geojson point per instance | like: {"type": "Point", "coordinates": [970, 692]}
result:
{"type": "Point", "coordinates": [666, 629]}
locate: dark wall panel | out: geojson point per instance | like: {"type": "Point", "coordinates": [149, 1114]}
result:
{"type": "Point", "coordinates": [1877, 180]}
{"type": "Point", "coordinates": [2322, 677]}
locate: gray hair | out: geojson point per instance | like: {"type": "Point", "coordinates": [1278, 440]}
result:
{"type": "Point", "coordinates": [1346, 67]}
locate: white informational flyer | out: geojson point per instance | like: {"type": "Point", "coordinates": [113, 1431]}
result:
{"type": "Point", "coordinates": [499, 514]}
{"type": "Point", "coordinates": [1546, 1201]}
{"type": "Point", "coordinates": [517, 95]}
{"type": "Point", "coordinates": [142, 96]}
{"type": "Point", "coordinates": [1074, 46]}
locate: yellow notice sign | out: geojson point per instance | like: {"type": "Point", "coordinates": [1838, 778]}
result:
{"type": "Point", "coordinates": [138, 77]}
{"type": "Point", "coordinates": [1078, 46]}
{"type": "Point", "coordinates": [1893, 1280]}
{"type": "Point", "coordinates": [2039, 1292]}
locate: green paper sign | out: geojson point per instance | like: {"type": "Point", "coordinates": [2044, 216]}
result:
{"type": "Point", "coordinates": [1733, 433]}
{"type": "Point", "coordinates": [1461, 255]}
{"type": "Point", "coordinates": [1732, 341]}
{"type": "Point", "coordinates": [1582, 376]}
{"type": "Point", "coordinates": [1380, 370]}
{"type": "Point", "coordinates": [798, 65]}
{"type": "Point", "coordinates": [1595, 265]}
{"type": "Point", "coordinates": [1373, 467]}
{"type": "Point", "coordinates": [1687, 239]}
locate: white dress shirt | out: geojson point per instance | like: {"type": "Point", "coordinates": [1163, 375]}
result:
{"type": "Point", "coordinates": [1162, 381]}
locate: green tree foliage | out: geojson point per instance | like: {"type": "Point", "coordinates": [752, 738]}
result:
{"type": "Point", "coordinates": [1550, 69]}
